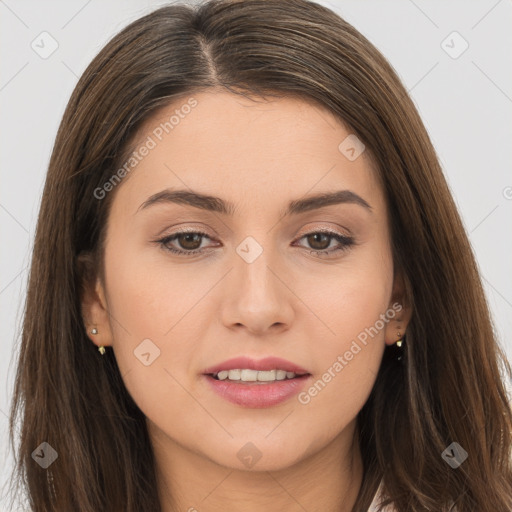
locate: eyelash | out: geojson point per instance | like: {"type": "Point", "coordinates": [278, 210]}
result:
{"type": "Point", "coordinates": [345, 241]}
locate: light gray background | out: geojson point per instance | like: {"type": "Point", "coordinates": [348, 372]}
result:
{"type": "Point", "coordinates": [465, 102]}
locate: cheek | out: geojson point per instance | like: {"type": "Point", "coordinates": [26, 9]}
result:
{"type": "Point", "coordinates": [347, 357]}
{"type": "Point", "coordinates": [338, 305]}
{"type": "Point", "coordinates": [147, 298]}
{"type": "Point", "coordinates": [144, 308]}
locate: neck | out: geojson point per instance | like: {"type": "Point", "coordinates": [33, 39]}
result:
{"type": "Point", "coordinates": [328, 480]}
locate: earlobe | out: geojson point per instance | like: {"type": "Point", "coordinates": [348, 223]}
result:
{"type": "Point", "coordinates": [396, 328]}
{"type": "Point", "coordinates": [96, 317]}
{"type": "Point", "coordinates": [93, 304]}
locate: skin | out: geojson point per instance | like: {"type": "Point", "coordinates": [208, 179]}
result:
{"type": "Point", "coordinates": [203, 309]}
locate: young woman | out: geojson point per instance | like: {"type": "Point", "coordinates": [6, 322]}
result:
{"type": "Point", "coordinates": [244, 214]}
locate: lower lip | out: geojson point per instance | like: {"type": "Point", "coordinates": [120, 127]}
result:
{"type": "Point", "coordinates": [257, 395]}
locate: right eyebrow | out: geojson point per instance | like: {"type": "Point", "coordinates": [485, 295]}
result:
{"type": "Point", "coordinates": [216, 204]}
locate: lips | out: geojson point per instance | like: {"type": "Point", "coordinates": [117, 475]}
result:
{"type": "Point", "coordinates": [265, 364]}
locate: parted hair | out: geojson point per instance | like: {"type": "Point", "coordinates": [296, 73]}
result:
{"type": "Point", "coordinates": [449, 384]}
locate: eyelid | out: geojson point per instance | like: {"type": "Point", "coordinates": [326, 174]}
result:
{"type": "Point", "coordinates": [345, 243]}
{"type": "Point", "coordinates": [327, 230]}
{"type": "Point", "coordinates": [306, 231]}
{"type": "Point", "coordinates": [176, 230]}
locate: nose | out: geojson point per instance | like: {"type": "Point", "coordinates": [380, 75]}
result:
{"type": "Point", "coordinates": [257, 296]}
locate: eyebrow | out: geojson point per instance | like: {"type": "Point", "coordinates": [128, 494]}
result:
{"type": "Point", "coordinates": [218, 205]}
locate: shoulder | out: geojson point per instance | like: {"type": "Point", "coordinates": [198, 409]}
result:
{"type": "Point", "coordinates": [375, 504]}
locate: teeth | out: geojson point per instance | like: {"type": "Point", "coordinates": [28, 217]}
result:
{"type": "Point", "coordinates": [266, 376]}
{"type": "Point", "coordinates": [233, 374]}
{"type": "Point", "coordinates": [253, 375]}
{"type": "Point", "coordinates": [249, 375]}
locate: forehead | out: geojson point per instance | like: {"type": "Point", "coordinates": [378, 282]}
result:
{"type": "Point", "coordinates": [246, 151]}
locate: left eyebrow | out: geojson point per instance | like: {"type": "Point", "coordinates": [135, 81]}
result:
{"type": "Point", "coordinates": [218, 205]}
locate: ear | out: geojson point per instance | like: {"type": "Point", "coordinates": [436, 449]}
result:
{"type": "Point", "coordinates": [401, 305]}
{"type": "Point", "coordinates": [94, 305]}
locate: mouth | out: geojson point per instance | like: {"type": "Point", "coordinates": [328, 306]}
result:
{"type": "Point", "coordinates": [243, 388]}
{"type": "Point", "coordinates": [250, 376]}
{"type": "Point", "coordinates": [256, 383]}
{"type": "Point", "coordinates": [247, 369]}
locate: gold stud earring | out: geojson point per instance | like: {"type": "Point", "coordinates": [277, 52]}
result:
{"type": "Point", "coordinates": [101, 349]}
{"type": "Point", "coordinates": [399, 342]}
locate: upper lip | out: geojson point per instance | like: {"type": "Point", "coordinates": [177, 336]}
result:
{"type": "Point", "coordinates": [265, 364]}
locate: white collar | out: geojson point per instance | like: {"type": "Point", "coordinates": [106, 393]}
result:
{"type": "Point", "coordinates": [374, 506]}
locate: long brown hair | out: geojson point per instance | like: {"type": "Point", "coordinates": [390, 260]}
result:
{"type": "Point", "coordinates": [448, 386]}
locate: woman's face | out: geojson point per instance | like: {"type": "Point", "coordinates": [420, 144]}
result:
{"type": "Point", "coordinates": [251, 285]}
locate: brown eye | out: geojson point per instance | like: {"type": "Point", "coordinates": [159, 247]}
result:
{"type": "Point", "coordinates": [184, 243]}
{"type": "Point", "coordinates": [189, 241]}
{"type": "Point", "coordinates": [319, 241]}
